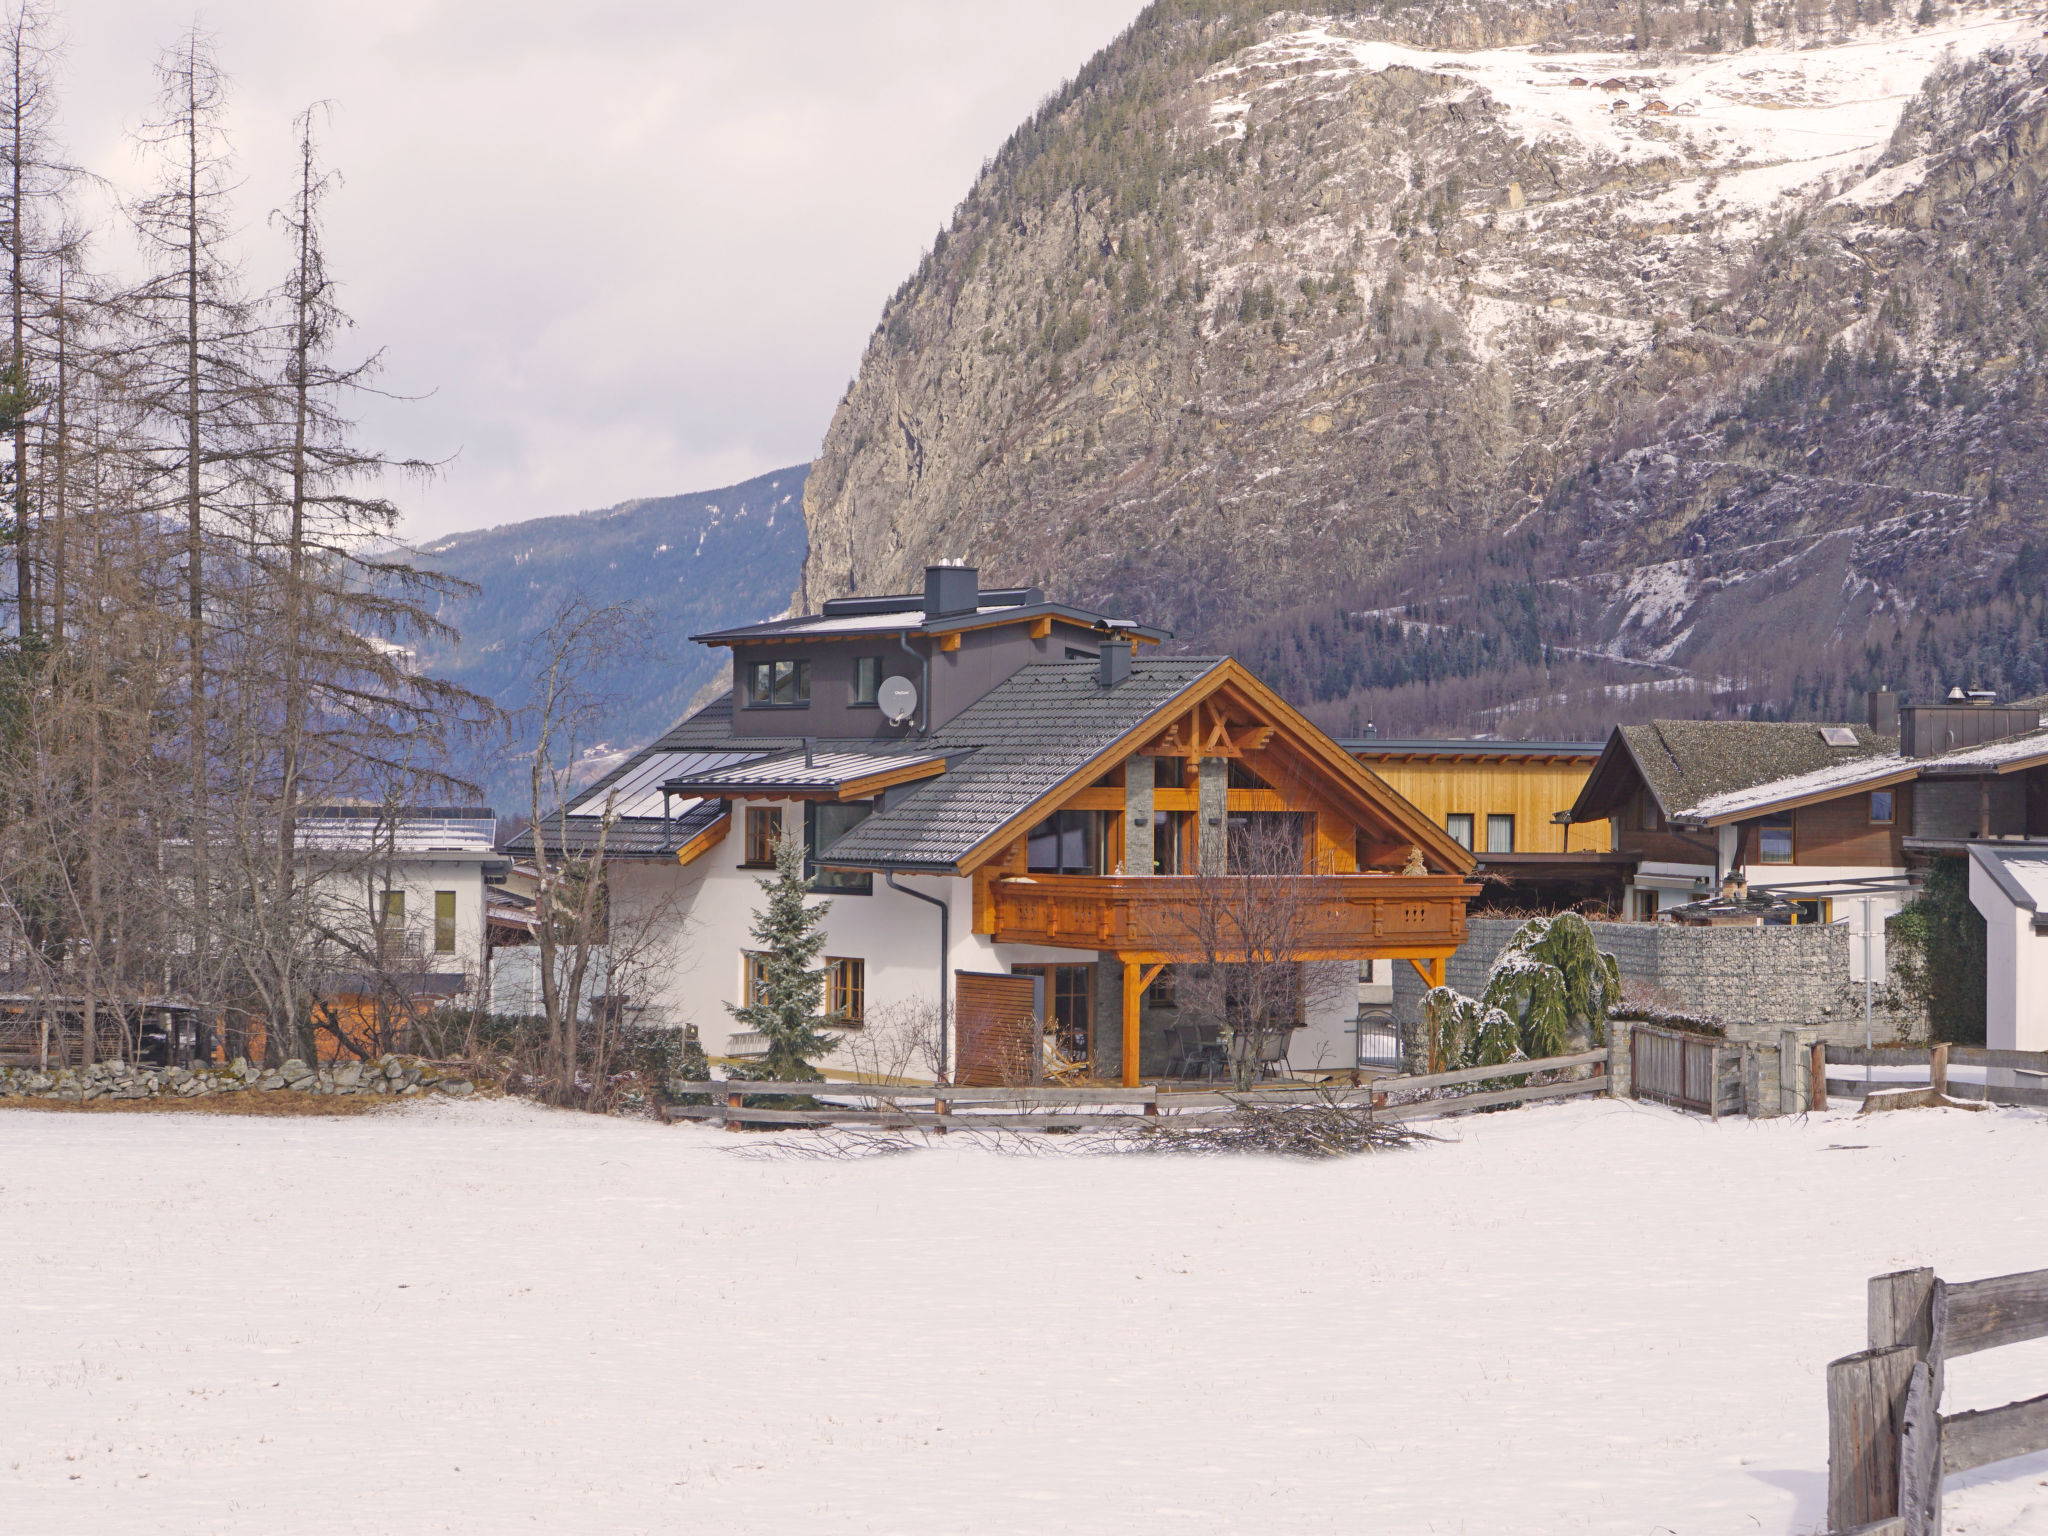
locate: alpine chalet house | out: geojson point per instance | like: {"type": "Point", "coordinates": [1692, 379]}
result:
{"type": "Point", "coordinates": [1023, 827]}
{"type": "Point", "coordinates": [1830, 819]}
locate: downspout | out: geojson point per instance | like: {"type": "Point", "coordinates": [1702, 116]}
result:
{"type": "Point", "coordinates": [924, 690]}
{"type": "Point", "coordinates": [945, 956]}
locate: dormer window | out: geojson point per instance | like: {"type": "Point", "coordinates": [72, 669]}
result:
{"type": "Point", "coordinates": [781, 684]}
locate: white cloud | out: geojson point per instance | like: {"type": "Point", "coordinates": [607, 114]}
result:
{"type": "Point", "coordinates": [631, 248]}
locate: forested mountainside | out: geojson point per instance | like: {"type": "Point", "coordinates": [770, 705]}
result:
{"type": "Point", "coordinates": [687, 563]}
{"type": "Point", "coordinates": [1471, 367]}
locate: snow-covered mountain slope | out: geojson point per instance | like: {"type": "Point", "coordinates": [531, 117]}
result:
{"type": "Point", "coordinates": [1267, 307]}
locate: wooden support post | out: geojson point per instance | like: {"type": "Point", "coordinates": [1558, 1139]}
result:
{"type": "Point", "coordinates": [1866, 1409]}
{"type": "Point", "coordinates": [1817, 1077]}
{"type": "Point", "coordinates": [1133, 985]}
{"type": "Point", "coordinates": [732, 1102]}
{"type": "Point", "coordinates": [940, 1110]}
{"type": "Point", "coordinates": [1937, 1062]}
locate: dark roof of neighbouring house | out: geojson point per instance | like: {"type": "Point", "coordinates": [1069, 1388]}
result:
{"type": "Point", "coordinates": [1685, 762]}
{"type": "Point", "coordinates": [1016, 743]}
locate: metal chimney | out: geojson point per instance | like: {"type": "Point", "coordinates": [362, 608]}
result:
{"type": "Point", "coordinates": [1113, 663]}
{"type": "Point", "coordinates": [1883, 706]}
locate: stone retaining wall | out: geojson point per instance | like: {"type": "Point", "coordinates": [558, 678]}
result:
{"type": "Point", "coordinates": [393, 1076]}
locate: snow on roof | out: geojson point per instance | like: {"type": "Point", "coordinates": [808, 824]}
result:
{"type": "Point", "coordinates": [1992, 753]}
{"type": "Point", "coordinates": [1842, 777]}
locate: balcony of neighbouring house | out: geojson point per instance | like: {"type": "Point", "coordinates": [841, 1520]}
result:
{"type": "Point", "coordinates": [1226, 918]}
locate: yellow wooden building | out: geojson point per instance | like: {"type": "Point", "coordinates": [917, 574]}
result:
{"type": "Point", "coordinates": [1502, 800]}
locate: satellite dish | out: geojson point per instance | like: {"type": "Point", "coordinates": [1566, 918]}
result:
{"type": "Point", "coordinates": [898, 698]}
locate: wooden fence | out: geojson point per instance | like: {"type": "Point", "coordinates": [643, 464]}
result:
{"type": "Point", "coordinates": [1673, 1066]}
{"type": "Point", "coordinates": [937, 1106]}
{"type": "Point", "coordinates": [1889, 1444]}
{"type": "Point", "coordinates": [2027, 1071]}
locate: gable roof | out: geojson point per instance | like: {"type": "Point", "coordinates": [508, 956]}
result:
{"type": "Point", "coordinates": [1029, 740]}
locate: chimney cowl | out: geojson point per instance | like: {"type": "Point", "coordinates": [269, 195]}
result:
{"type": "Point", "coordinates": [951, 590]}
{"type": "Point", "coordinates": [1113, 663]}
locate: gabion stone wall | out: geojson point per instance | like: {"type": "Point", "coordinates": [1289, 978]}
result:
{"type": "Point", "coordinates": [1755, 981]}
{"type": "Point", "coordinates": [396, 1076]}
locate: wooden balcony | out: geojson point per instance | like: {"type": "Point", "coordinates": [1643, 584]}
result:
{"type": "Point", "coordinates": [1191, 918]}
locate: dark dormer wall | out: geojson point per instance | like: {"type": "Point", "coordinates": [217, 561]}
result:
{"type": "Point", "coordinates": [984, 658]}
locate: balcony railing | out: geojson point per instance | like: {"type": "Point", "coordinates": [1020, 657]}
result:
{"type": "Point", "coordinates": [1232, 917]}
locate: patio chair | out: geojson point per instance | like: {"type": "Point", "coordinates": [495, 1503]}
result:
{"type": "Point", "coordinates": [1265, 1052]}
{"type": "Point", "coordinates": [1206, 1058]}
{"type": "Point", "coordinates": [1176, 1051]}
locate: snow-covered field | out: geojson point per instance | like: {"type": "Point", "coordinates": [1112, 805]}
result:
{"type": "Point", "coordinates": [487, 1318]}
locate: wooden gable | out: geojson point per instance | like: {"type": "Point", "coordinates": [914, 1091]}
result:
{"type": "Point", "coordinates": [1360, 821]}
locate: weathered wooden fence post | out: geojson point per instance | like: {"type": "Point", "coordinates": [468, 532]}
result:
{"type": "Point", "coordinates": [1817, 1077]}
{"type": "Point", "coordinates": [1937, 1066]}
{"type": "Point", "coordinates": [1866, 1407]}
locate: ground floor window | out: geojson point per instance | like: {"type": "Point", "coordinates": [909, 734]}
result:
{"type": "Point", "coordinates": [755, 978]}
{"type": "Point", "coordinates": [846, 991]}
{"type": "Point", "coordinates": [1069, 1007]}
{"type": "Point", "coordinates": [1646, 906]}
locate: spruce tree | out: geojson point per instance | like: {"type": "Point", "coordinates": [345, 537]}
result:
{"type": "Point", "coordinates": [788, 1006]}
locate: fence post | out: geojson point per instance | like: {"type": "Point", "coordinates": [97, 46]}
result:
{"type": "Point", "coordinates": [1817, 1077]}
{"type": "Point", "coordinates": [1788, 1072]}
{"type": "Point", "coordinates": [1937, 1068]}
{"type": "Point", "coordinates": [732, 1102]}
{"type": "Point", "coordinates": [1620, 1063]}
{"type": "Point", "coordinates": [1901, 1309]}
{"type": "Point", "coordinates": [1866, 1409]}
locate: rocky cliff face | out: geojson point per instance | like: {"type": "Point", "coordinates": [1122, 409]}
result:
{"type": "Point", "coordinates": [1266, 303]}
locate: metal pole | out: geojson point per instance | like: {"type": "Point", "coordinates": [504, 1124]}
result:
{"type": "Point", "coordinates": [945, 959]}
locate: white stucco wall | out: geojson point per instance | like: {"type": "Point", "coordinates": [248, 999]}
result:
{"type": "Point", "coordinates": [708, 907]}
{"type": "Point", "coordinates": [352, 897]}
{"type": "Point", "coordinates": [2015, 969]}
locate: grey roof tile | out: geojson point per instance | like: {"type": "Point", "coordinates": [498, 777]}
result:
{"type": "Point", "coordinates": [1024, 737]}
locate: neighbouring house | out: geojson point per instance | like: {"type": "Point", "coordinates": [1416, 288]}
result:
{"type": "Point", "coordinates": [1507, 801]}
{"type": "Point", "coordinates": [403, 894]}
{"type": "Point", "coordinates": [2009, 886]}
{"type": "Point", "coordinates": [1832, 820]}
{"type": "Point", "coordinates": [1026, 827]}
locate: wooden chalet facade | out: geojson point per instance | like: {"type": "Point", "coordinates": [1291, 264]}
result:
{"type": "Point", "coordinates": [1058, 822]}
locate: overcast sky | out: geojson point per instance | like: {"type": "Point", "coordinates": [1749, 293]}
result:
{"type": "Point", "coordinates": [628, 247]}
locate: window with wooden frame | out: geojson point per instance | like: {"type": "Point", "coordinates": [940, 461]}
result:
{"type": "Point", "coordinates": [1649, 818]}
{"type": "Point", "coordinates": [1170, 839]}
{"type": "Point", "coordinates": [1068, 843]}
{"type": "Point", "coordinates": [1774, 839]}
{"type": "Point", "coordinates": [753, 977]}
{"type": "Point", "coordinates": [778, 684]}
{"type": "Point", "coordinates": [1500, 834]}
{"type": "Point", "coordinates": [444, 922]}
{"type": "Point", "coordinates": [1459, 825]}
{"type": "Point", "coordinates": [867, 679]}
{"type": "Point", "coordinates": [1881, 808]}
{"type": "Point", "coordinates": [764, 830]}
{"type": "Point", "coordinates": [846, 991]}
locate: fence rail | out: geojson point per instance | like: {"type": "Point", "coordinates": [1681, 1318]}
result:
{"type": "Point", "coordinates": [944, 1107]}
{"type": "Point", "coordinates": [1889, 1444]}
{"type": "Point", "coordinates": [2029, 1067]}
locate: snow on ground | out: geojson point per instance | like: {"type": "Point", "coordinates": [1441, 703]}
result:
{"type": "Point", "coordinates": [483, 1318]}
